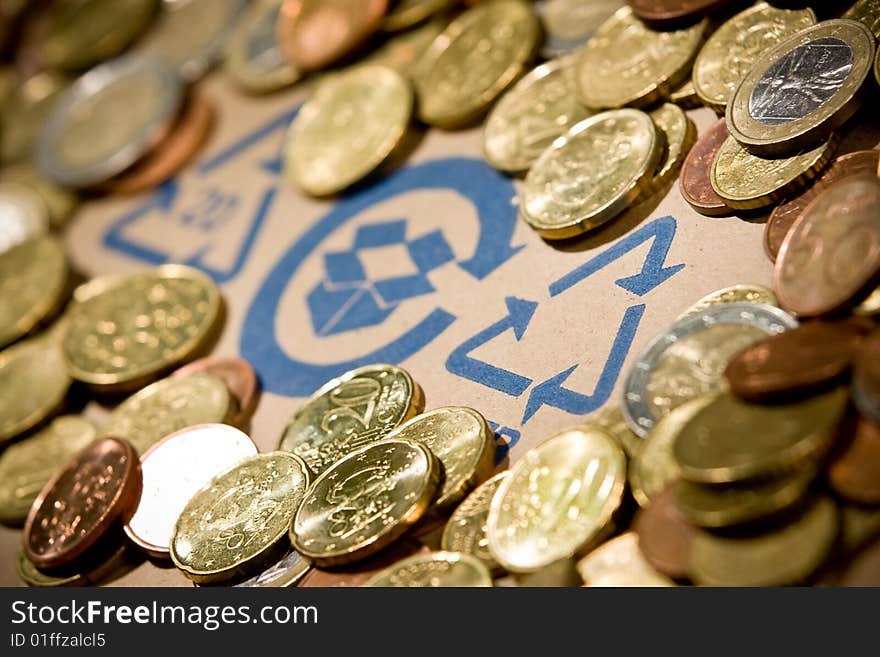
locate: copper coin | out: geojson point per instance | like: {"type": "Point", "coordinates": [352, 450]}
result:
{"type": "Point", "coordinates": [810, 358]}
{"type": "Point", "coordinates": [865, 569]}
{"type": "Point", "coordinates": [173, 153]}
{"type": "Point", "coordinates": [665, 535]}
{"type": "Point", "coordinates": [669, 13]}
{"type": "Point", "coordinates": [866, 377]}
{"type": "Point", "coordinates": [363, 571]}
{"type": "Point", "coordinates": [830, 261]}
{"type": "Point", "coordinates": [696, 187]}
{"type": "Point", "coordinates": [313, 34]}
{"type": "Point", "coordinates": [784, 215]}
{"type": "Point", "coordinates": [854, 473]}
{"type": "Point", "coordinates": [83, 502]}
{"type": "Point", "coordinates": [239, 377]}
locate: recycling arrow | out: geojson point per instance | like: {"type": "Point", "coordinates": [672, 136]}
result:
{"type": "Point", "coordinates": [654, 272]}
{"type": "Point", "coordinates": [519, 315]}
{"type": "Point", "coordinates": [552, 393]}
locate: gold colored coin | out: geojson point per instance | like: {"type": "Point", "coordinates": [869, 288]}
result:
{"type": "Point", "coordinates": [680, 135]}
{"type": "Point", "coordinates": [730, 440]}
{"type": "Point", "coordinates": [685, 96]}
{"type": "Point", "coordinates": [870, 306]}
{"type": "Point", "coordinates": [26, 466]}
{"type": "Point", "coordinates": [23, 215]}
{"type": "Point", "coordinates": [25, 113]}
{"type": "Point", "coordinates": [654, 467]}
{"type": "Point", "coordinates": [167, 406]}
{"type": "Point", "coordinates": [797, 93]}
{"type": "Point", "coordinates": [406, 13]}
{"type": "Point", "coordinates": [33, 384]}
{"type": "Point", "coordinates": [788, 555]}
{"type": "Point", "coordinates": [33, 279]}
{"type": "Point", "coordinates": [358, 408]}
{"type": "Point", "coordinates": [434, 569]}
{"type": "Point", "coordinates": [253, 57]}
{"type": "Point", "coordinates": [235, 523]}
{"type": "Point", "coordinates": [559, 496]}
{"type": "Point", "coordinates": [100, 568]}
{"type": "Point", "coordinates": [591, 174]}
{"type": "Point", "coordinates": [139, 327]}
{"type": "Point", "coordinates": [748, 182]}
{"type": "Point", "coordinates": [730, 52]}
{"type": "Point", "coordinates": [628, 63]}
{"type": "Point", "coordinates": [59, 201]}
{"type": "Point", "coordinates": [717, 507]}
{"type": "Point", "coordinates": [539, 108]}
{"type": "Point", "coordinates": [867, 12]}
{"type": "Point", "coordinates": [610, 418]}
{"type": "Point", "coordinates": [403, 52]}
{"type": "Point", "coordinates": [474, 60]}
{"type": "Point", "coordinates": [350, 126]}
{"type": "Point", "coordinates": [618, 563]}
{"type": "Point", "coordinates": [463, 442]}
{"type": "Point", "coordinates": [747, 293]}
{"type": "Point", "coordinates": [76, 35]}
{"type": "Point", "coordinates": [365, 502]}
{"type": "Point", "coordinates": [466, 530]}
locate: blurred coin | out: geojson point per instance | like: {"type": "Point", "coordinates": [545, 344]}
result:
{"type": "Point", "coordinates": [628, 63]}
{"type": "Point", "coordinates": [830, 260]}
{"type": "Point", "coordinates": [172, 154]}
{"type": "Point", "coordinates": [76, 34]}
{"type": "Point", "coordinates": [365, 502]}
{"type": "Point", "coordinates": [313, 34]}
{"type": "Point", "coordinates": [680, 134]}
{"type": "Point", "coordinates": [167, 406]}
{"type": "Point", "coordinates": [107, 120]}
{"type": "Point", "coordinates": [748, 182]}
{"type": "Point", "coordinates": [854, 472]}
{"type": "Point", "coordinates": [810, 358]}
{"type": "Point", "coordinates": [591, 174]}
{"type": "Point", "coordinates": [865, 569]}
{"type": "Point", "coordinates": [235, 523]}
{"type": "Point", "coordinates": [191, 35]}
{"type": "Point", "coordinates": [33, 279]}
{"type": "Point", "coordinates": [463, 442]}
{"type": "Point", "coordinates": [253, 57]}
{"type": "Point", "coordinates": [558, 497]}
{"type": "Point", "coordinates": [749, 293]}
{"type": "Point", "coordinates": [867, 12]}
{"type": "Point", "coordinates": [60, 202]}
{"type": "Point", "coordinates": [731, 441]}
{"type": "Point", "coordinates": [479, 55]}
{"type": "Point", "coordinates": [406, 13]}
{"type": "Point", "coordinates": [665, 536]}
{"type": "Point", "coordinates": [358, 574]}
{"type": "Point", "coordinates": [620, 562]}
{"type": "Point", "coordinates": [352, 123]}
{"type": "Point", "coordinates": [787, 555]}
{"type": "Point", "coordinates": [23, 215]}
{"type": "Point", "coordinates": [528, 118]}
{"type": "Point", "coordinates": [866, 378]}
{"type": "Point", "coordinates": [730, 52]}
{"type": "Point", "coordinates": [695, 181]}
{"type": "Point", "coordinates": [654, 467]}
{"type": "Point", "coordinates": [689, 358]}
{"type": "Point", "coordinates": [435, 569]}
{"type": "Point", "coordinates": [239, 377]}
{"type": "Point", "coordinates": [466, 530]}
{"type": "Point", "coordinates": [610, 418]}
{"type": "Point", "coordinates": [99, 568]}
{"type": "Point", "coordinates": [134, 329]}
{"type": "Point", "coordinates": [685, 96]}
{"type": "Point", "coordinates": [349, 412]}
{"type": "Point", "coordinates": [403, 51]}
{"type": "Point", "coordinates": [288, 571]}
{"type": "Point", "coordinates": [569, 24]}
{"type": "Point", "coordinates": [797, 93]}
{"type": "Point", "coordinates": [786, 214]}
{"type": "Point", "coordinates": [83, 501]}
{"type": "Point", "coordinates": [670, 13]}
{"type": "Point", "coordinates": [26, 466]}
{"type": "Point", "coordinates": [25, 113]}
{"type": "Point", "coordinates": [870, 306]}
{"type": "Point", "coordinates": [176, 468]}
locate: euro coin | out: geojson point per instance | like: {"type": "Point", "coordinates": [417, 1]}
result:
{"type": "Point", "coordinates": [435, 569]}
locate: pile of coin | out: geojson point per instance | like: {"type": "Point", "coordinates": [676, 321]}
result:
{"type": "Point", "coordinates": [745, 449]}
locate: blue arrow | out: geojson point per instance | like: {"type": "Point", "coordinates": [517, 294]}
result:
{"type": "Point", "coordinates": [551, 392]}
{"type": "Point", "coordinates": [653, 273]}
{"type": "Point", "coordinates": [162, 199]}
{"type": "Point", "coordinates": [518, 317]}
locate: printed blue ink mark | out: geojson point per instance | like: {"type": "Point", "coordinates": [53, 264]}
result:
{"type": "Point", "coordinates": [233, 151]}
{"type": "Point", "coordinates": [486, 189]}
{"type": "Point", "coordinates": [519, 314]}
{"type": "Point", "coordinates": [653, 273]}
{"type": "Point", "coordinates": [552, 393]}
{"type": "Point", "coordinates": [503, 446]}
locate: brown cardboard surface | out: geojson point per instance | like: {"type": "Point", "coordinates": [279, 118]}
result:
{"type": "Point", "coordinates": [577, 327]}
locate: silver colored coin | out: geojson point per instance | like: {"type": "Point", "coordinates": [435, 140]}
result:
{"type": "Point", "coordinates": [23, 215]}
{"type": "Point", "coordinates": [108, 119]}
{"type": "Point", "coordinates": [287, 572]}
{"type": "Point", "coordinates": [254, 58]}
{"type": "Point", "coordinates": [569, 24]}
{"type": "Point", "coordinates": [637, 408]}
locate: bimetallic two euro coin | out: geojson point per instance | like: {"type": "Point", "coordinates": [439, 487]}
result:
{"type": "Point", "coordinates": [741, 293]}
{"type": "Point", "coordinates": [253, 57]}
